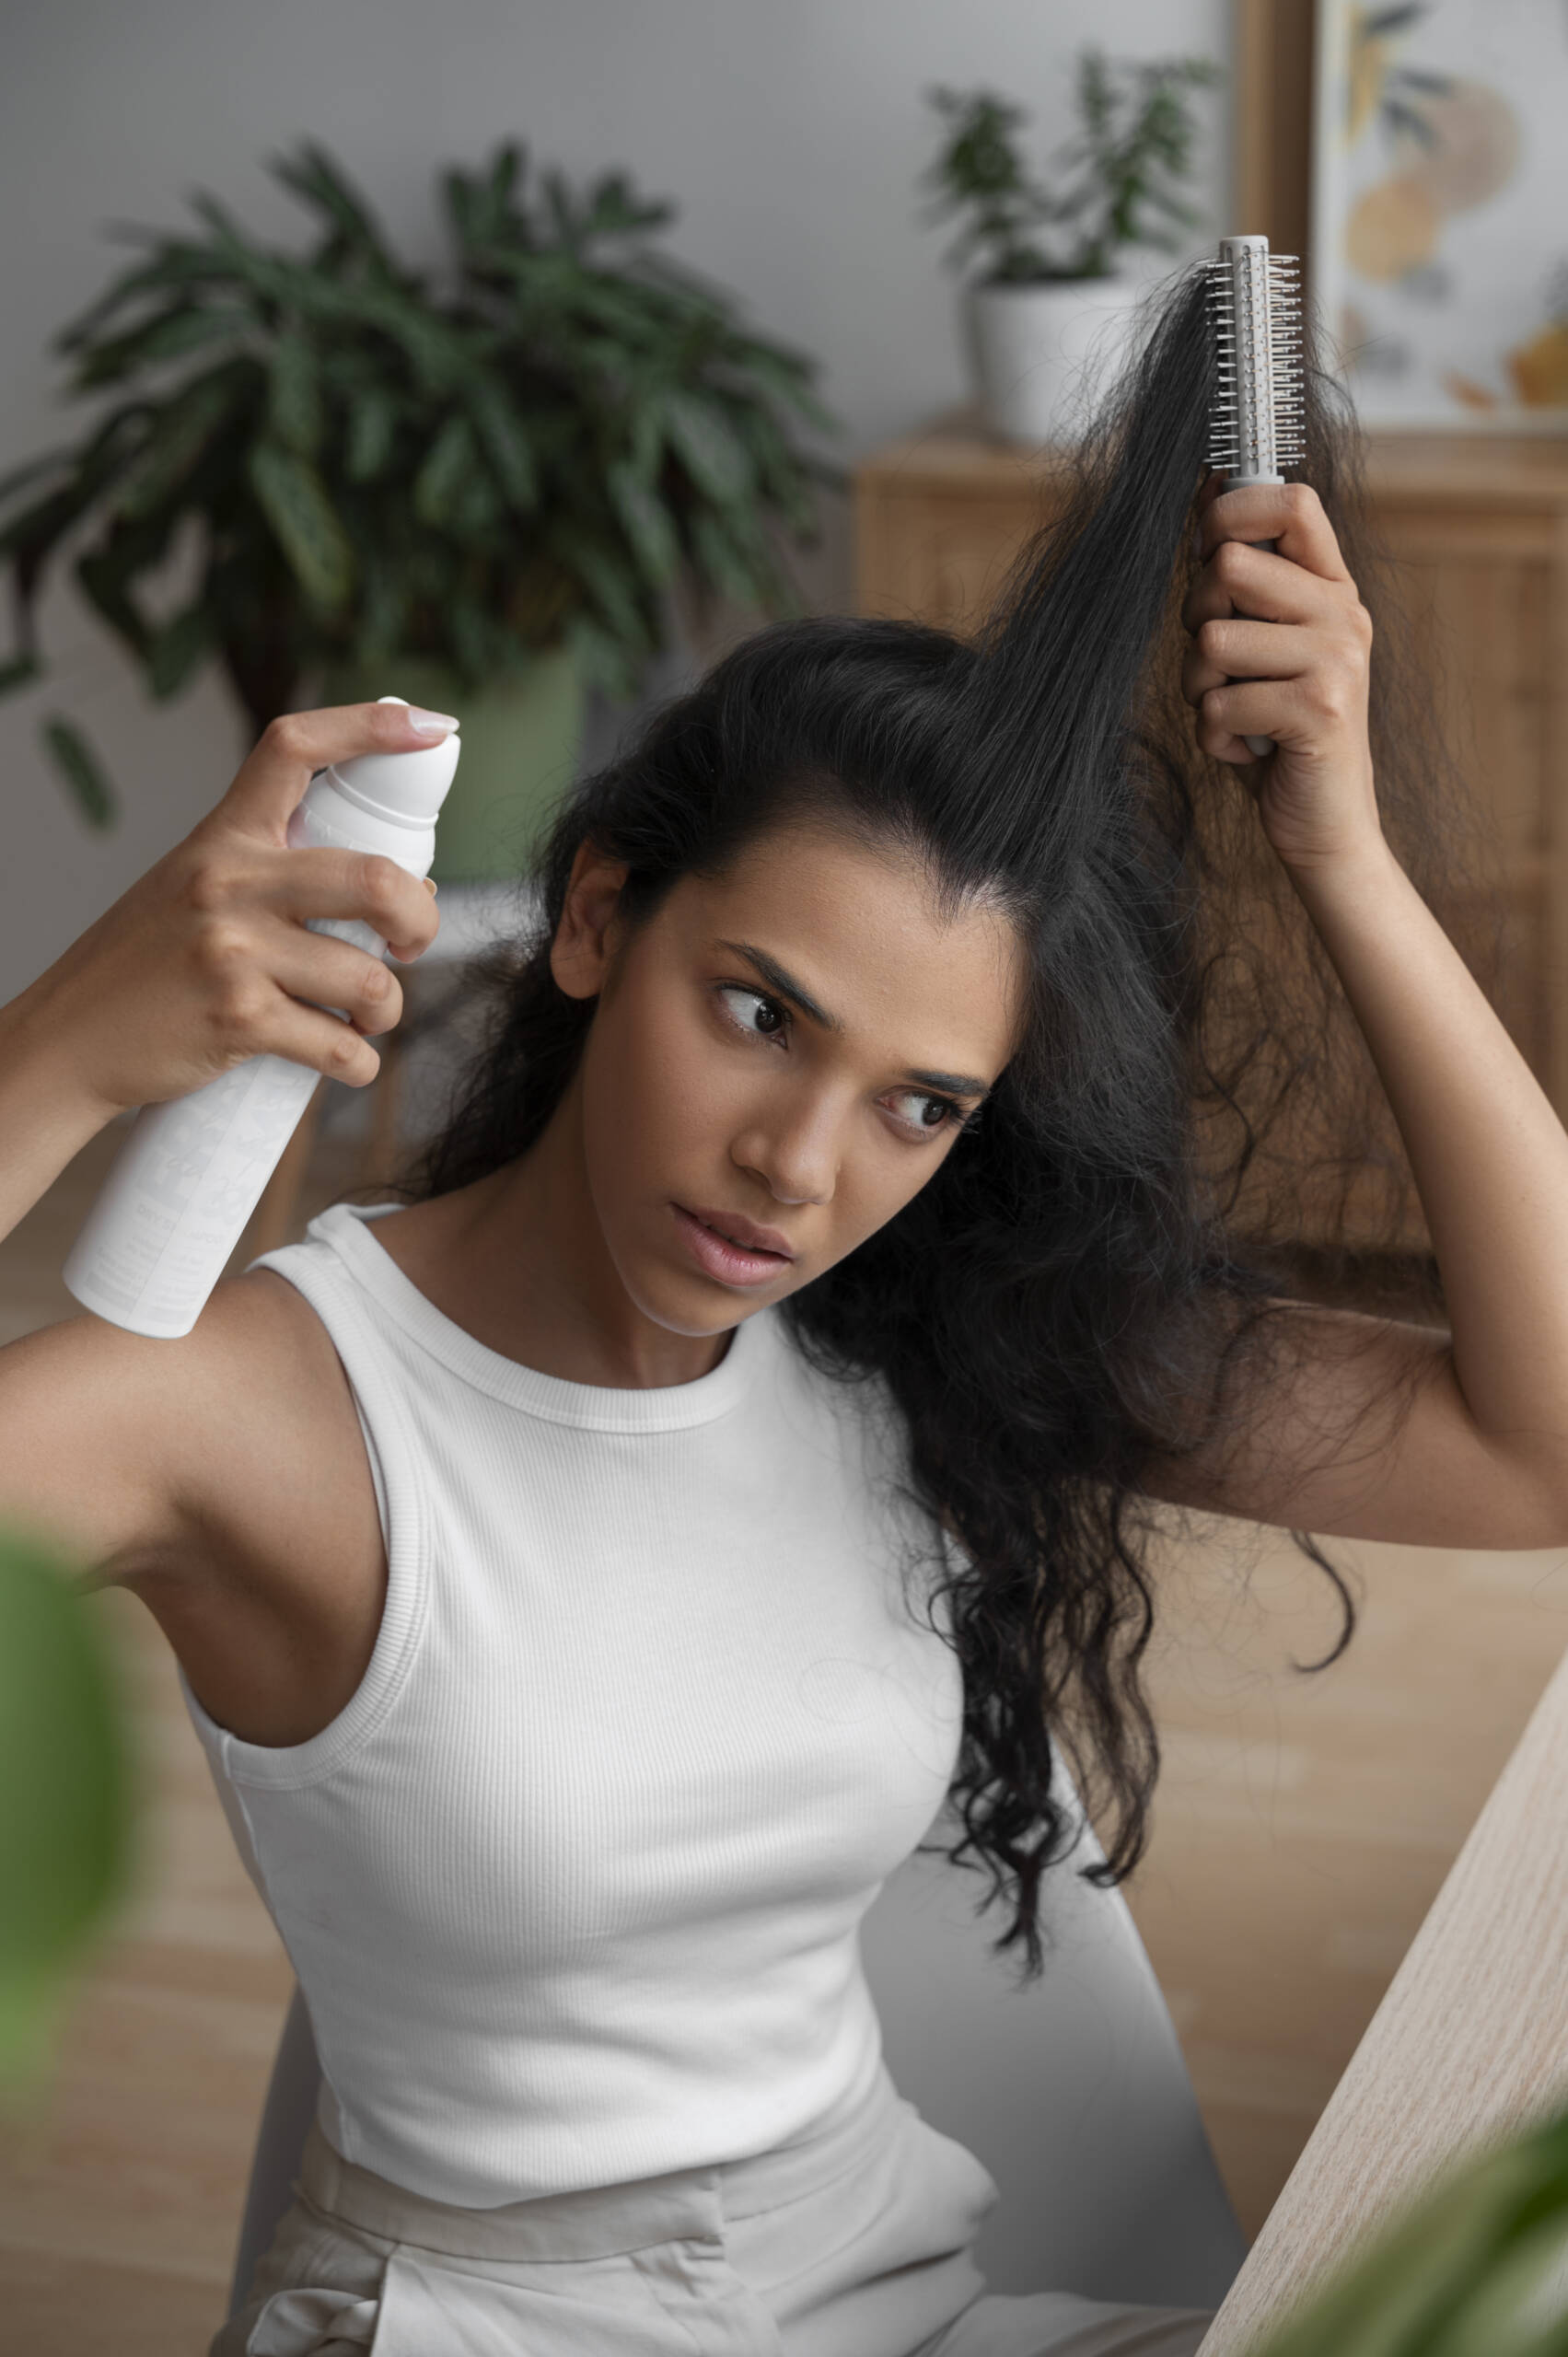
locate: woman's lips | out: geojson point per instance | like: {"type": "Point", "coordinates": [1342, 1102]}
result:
{"type": "Point", "coordinates": [731, 1264]}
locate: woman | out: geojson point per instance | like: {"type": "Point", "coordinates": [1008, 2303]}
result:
{"type": "Point", "coordinates": [593, 1565]}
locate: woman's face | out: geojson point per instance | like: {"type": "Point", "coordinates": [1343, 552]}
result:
{"type": "Point", "coordinates": [789, 1047]}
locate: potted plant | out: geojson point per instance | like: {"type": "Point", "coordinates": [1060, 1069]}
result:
{"type": "Point", "coordinates": [478, 494]}
{"type": "Point", "coordinates": [1035, 308]}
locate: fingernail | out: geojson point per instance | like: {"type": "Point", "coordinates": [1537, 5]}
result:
{"type": "Point", "coordinates": [431, 724]}
{"type": "Point", "coordinates": [431, 885]}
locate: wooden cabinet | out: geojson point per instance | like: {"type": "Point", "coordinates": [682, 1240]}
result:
{"type": "Point", "coordinates": [1479, 529]}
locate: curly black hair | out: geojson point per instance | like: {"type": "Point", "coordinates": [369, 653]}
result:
{"type": "Point", "coordinates": [1190, 1132]}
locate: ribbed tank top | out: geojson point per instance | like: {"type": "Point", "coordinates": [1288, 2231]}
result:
{"type": "Point", "coordinates": [573, 1883]}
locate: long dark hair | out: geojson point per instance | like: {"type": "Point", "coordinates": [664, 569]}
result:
{"type": "Point", "coordinates": [1191, 1128]}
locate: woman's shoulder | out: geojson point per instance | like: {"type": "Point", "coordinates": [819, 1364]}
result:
{"type": "Point", "coordinates": [296, 1463]}
{"type": "Point", "coordinates": [274, 1595]}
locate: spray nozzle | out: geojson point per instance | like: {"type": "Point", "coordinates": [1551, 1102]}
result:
{"type": "Point", "coordinates": [407, 788]}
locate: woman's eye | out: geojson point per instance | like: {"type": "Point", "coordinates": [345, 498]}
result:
{"type": "Point", "coordinates": [770, 1029]}
{"type": "Point", "coordinates": [948, 1115]}
{"type": "Point", "coordinates": [761, 1017]}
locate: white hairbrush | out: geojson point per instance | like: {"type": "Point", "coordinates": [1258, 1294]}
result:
{"type": "Point", "coordinates": [1256, 419]}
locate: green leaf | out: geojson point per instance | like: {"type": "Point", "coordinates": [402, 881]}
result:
{"type": "Point", "coordinates": [383, 611]}
{"type": "Point", "coordinates": [311, 174]}
{"type": "Point", "coordinates": [713, 456]}
{"type": "Point", "coordinates": [647, 523]}
{"type": "Point", "coordinates": [780, 473]}
{"type": "Point", "coordinates": [174, 651]}
{"type": "Point", "coordinates": [23, 478]}
{"type": "Point", "coordinates": [176, 267]}
{"type": "Point", "coordinates": [182, 434]}
{"type": "Point", "coordinates": [609, 584]}
{"type": "Point", "coordinates": [476, 510]}
{"type": "Point", "coordinates": [32, 536]}
{"type": "Point", "coordinates": [480, 209]}
{"type": "Point", "coordinates": [614, 209]}
{"type": "Point", "coordinates": [452, 457]}
{"type": "Point", "coordinates": [602, 657]}
{"type": "Point", "coordinates": [372, 429]}
{"type": "Point", "coordinates": [786, 376]}
{"type": "Point", "coordinates": [107, 571]}
{"type": "Point", "coordinates": [1503, 2312]}
{"type": "Point", "coordinates": [169, 336]}
{"type": "Point", "coordinates": [505, 443]}
{"type": "Point", "coordinates": [439, 354]}
{"type": "Point", "coordinates": [86, 779]}
{"type": "Point", "coordinates": [645, 441]}
{"type": "Point", "coordinates": [721, 565]}
{"type": "Point", "coordinates": [294, 502]}
{"type": "Point", "coordinates": [295, 413]}
{"type": "Point", "coordinates": [65, 1795]}
{"type": "Point", "coordinates": [507, 168]}
{"type": "Point", "coordinates": [474, 636]}
{"type": "Point", "coordinates": [1410, 2288]}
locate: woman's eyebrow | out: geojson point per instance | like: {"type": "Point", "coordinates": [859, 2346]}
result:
{"type": "Point", "coordinates": [778, 978]}
{"type": "Point", "coordinates": [955, 1084]}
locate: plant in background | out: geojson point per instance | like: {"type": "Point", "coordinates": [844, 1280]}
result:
{"type": "Point", "coordinates": [1475, 2267]}
{"type": "Point", "coordinates": [65, 1795]}
{"type": "Point", "coordinates": [1136, 131]}
{"type": "Point", "coordinates": [340, 463]}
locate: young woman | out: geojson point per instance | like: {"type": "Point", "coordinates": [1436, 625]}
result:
{"type": "Point", "coordinates": [593, 1565]}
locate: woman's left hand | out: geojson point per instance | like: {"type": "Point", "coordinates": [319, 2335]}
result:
{"type": "Point", "coordinates": [1281, 648]}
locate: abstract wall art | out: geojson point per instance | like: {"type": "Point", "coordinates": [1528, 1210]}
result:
{"type": "Point", "coordinates": [1440, 209]}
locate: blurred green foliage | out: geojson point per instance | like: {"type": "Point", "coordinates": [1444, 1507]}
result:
{"type": "Point", "coordinates": [1478, 2266]}
{"type": "Point", "coordinates": [527, 454]}
{"type": "Point", "coordinates": [66, 1795]}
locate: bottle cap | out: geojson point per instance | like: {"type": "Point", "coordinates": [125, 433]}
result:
{"type": "Point", "coordinates": [407, 788]}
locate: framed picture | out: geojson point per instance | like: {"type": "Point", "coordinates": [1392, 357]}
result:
{"type": "Point", "coordinates": [1439, 209]}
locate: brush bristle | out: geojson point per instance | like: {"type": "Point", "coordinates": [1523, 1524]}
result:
{"type": "Point", "coordinates": [1255, 318]}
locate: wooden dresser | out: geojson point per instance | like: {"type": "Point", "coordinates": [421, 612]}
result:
{"type": "Point", "coordinates": [1480, 526]}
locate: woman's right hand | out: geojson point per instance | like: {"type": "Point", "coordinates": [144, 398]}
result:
{"type": "Point", "coordinates": [206, 960]}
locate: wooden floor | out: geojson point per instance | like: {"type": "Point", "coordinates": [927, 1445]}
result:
{"type": "Point", "coordinates": [1303, 1829]}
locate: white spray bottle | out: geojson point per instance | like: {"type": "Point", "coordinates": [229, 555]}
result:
{"type": "Point", "coordinates": [191, 1171]}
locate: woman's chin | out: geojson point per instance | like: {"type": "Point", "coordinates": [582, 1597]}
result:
{"type": "Point", "coordinates": [679, 1299]}
{"type": "Point", "coordinates": [674, 1290]}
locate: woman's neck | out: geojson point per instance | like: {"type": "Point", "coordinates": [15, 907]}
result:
{"type": "Point", "coordinates": [518, 1259]}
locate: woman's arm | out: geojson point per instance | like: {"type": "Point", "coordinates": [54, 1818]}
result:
{"type": "Point", "coordinates": [45, 1118]}
{"type": "Point", "coordinates": [205, 960]}
{"type": "Point", "coordinates": [1483, 1458]}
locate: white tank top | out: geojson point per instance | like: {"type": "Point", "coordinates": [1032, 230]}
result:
{"type": "Point", "coordinates": [573, 1883]}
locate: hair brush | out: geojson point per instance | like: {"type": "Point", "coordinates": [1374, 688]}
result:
{"type": "Point", "coordinates": [1255, 425]}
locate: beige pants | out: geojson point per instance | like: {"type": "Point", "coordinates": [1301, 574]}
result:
{"type": "Point", "coordinates": [854, 2245]}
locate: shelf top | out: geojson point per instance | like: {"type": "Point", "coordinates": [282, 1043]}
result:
{"type": "Point", "coordinates": [953, 453]}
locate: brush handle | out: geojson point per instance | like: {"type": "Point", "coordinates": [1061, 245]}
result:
{"type": "Point", "coordinates": [1263, 746]}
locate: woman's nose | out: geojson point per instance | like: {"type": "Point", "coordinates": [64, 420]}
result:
{"type": "Point", "coordinates": [796, 1159]}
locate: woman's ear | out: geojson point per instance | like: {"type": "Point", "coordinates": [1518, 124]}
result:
{"type": "Point", "coordinates": [579, 955]}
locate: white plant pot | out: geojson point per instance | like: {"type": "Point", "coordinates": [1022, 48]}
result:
{"type": "Point", "coordinates": [1038, 349]}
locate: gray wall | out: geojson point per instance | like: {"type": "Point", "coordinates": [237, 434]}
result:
{"type": "Point", "coordinates": [791, 133]}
